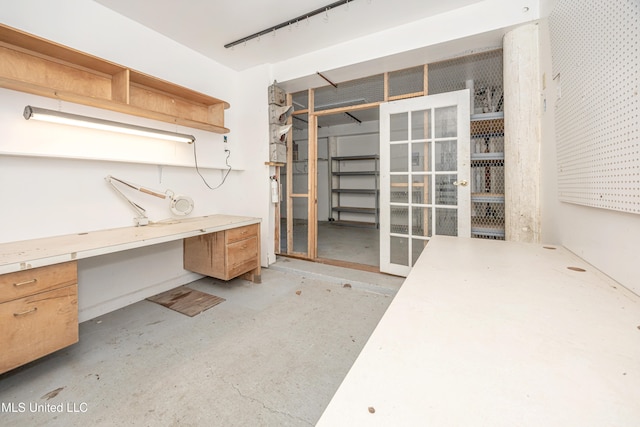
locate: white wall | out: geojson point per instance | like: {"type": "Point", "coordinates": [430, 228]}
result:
{"type": "Point", "coordinates": [605, 238]}
{"type": "Point", "coordinates": [47, 196]}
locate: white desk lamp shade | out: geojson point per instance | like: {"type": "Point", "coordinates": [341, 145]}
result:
{"type": "Point", "coordinates": [181, 205]}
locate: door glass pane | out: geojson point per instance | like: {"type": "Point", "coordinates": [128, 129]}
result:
{"type": "Point", "coordinates": [399, 220]}
{"type": "Point", "coordinates": [300, 224]}
{"type": "Point", "coordinates": [399, 250]}
{"type": "Point", "coordinates": [446, 155]}
{"type": "Point", "coordinates": [420, 189]}
{"type": "Point", "coordinates": [398, 160]}
{"type": "Point", "coordinates": [420, 155]}
{"type": "Point", "coordinates": [446, 122]}
{"type": "Point", "coordinates": [421, 219]}
{"type": "Point", "coordinates": [417, 246]}
{"type": "Point", "coordinates": [300, 177]}
{"type": "Point", "coordinates": [399, 127]}
{"type": "Point", "coordinates": [420, 128]}
{"type": "Point", "coordinates": [419, 148]}
{"type": "Point", "coordinates": [446, 221]}
{"type": "Point", "coordinates": [446, 192]}
{"type": "Point", "coordinates": [399, 190]}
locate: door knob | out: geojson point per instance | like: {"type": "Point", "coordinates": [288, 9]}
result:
{"type": "Point", "coordinates": [463, 183]}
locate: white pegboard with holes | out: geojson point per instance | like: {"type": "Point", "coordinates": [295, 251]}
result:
{"type": "Point", "coordinates": [595, 53]}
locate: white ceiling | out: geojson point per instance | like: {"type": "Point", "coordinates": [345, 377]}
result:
{"type": "Point", "coordinates": [207, 25]}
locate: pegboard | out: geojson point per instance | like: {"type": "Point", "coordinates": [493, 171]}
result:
{"type": "Point", "coordinates": [595, 54]}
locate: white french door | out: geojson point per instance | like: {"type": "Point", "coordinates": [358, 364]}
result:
{"type": "Point", "coordinates": [424, 175]}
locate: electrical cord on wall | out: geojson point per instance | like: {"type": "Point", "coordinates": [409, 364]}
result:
{"type": "Point", "coordinates": [195, 158]}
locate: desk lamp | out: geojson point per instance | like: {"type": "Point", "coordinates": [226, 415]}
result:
{"type": "Point", "coordinates": [180, 205]}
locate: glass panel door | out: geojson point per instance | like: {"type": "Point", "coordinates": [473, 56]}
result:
{"type": "Point", "coordinates": [424, 160]}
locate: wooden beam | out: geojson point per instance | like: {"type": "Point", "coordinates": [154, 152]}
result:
{"type": "Point", "coordinates": [289, 179]}
{"type": "Point", "coordinates": [312, 179]}
{"type": "Point", "coordinates": [425, 78]}
{"type": "Point", "coordinates": [406, 96]}
{"type": "Point", "coordinates": [386, 87]}
{"type": "Point", "coordinates": [346, 109]}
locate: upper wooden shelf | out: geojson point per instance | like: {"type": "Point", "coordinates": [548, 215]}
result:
{"type": "Point", "coordinates": [41, 67]}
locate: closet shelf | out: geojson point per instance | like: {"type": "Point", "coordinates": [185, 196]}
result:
{"type": "Point", "coordinates": [358, 173]}
{"type": "Point", "coordinates": [41, 67]}
{"type": "Point", "coordinates": [348, 193]}
{"type": "Point", "coordinates": [355, 191]}
{"type": "Point", "coordinates": [354, 209]}
{"type": "Point", "coordinates": [487, 156]}
{"type": "Point", "coordinates": [487, 197]}
{"type": "Point", "coordinates": [495, 232]}
{"type": "Point", "coordinates": [362, 157]}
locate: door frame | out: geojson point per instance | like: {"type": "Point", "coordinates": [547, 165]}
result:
{"type": "Point", "coordinates": [312, 190]}
{"type": "Point", "coordinates": [463, 206]}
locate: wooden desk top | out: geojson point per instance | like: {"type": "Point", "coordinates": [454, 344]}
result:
{"type": "Point", "coordinates": [489, 333]}
{"type": "Point", "coordinates": [22, 255]}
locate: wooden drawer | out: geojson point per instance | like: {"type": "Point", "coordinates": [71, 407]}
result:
{"type": "Point", "coordinates": [242, 256]}
{"type": "Point", "coordinates": [225, 254]}
{"type": "Point", "coordinates": [241, 233]}
{"type": "Point", "coordinates": [28, 282]}
{"type": "Point", "coordinates": [37, 325]}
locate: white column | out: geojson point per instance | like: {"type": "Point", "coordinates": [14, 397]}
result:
{"type": "Point", "coordinates": [522, 134]}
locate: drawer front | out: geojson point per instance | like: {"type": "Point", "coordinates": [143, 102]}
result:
{"type": "Point", "coordinates": [34, 326]}
{"type": "Point", "coordinates": [28, 282]}
{"type": "Point", "coordinates": [242, 257]}
{"type": "Point", "coordinates": [240, 233]}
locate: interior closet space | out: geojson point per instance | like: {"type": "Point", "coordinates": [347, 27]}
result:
{"type": "Point", "coordinates": [348, 193]}
{"type": "Point", "coordinates": [330, 209]}
{"type": "Point", "coordinates": [346, 186]}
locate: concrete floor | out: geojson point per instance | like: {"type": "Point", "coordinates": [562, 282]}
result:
{"type": "Point", "coordinates": [352, 244]}
{"type": "Point", "coordinates": [272, 354]}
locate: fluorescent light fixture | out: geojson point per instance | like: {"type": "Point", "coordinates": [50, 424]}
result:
{"type": "Point", "coordinates": [93, 123]}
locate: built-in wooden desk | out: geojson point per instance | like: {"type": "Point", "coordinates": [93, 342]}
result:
{"type": "Point", "coordinates": [39, 285]}
{"type": "Point", "coordinates": [491, 333]}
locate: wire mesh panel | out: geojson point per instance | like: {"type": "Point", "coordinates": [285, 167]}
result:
{"type": "Point", "coordinates": [480, 73]}
{"type": "Point", "coordinates": [487, 179]}
{"type": "Point", "coordinates": [354, 92]}
{"type": "Point", "coordinates": [407, 81]}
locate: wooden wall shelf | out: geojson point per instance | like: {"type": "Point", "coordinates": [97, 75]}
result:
{"type": "Point", "coordinates": [34, 65]}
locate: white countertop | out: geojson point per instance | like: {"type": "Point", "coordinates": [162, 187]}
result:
{"type": "Point", "coordinates": [492, 333]}
{"type": "Point", "coordinates": [21, 255]}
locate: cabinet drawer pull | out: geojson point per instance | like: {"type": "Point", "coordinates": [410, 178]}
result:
{"type": "Point", "coordinates": [27, 282]}
{"type": "Point", "coordinates": [24, 313]}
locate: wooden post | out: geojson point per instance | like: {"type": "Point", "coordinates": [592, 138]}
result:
{"type": "Point", "coordinates": [289, 186]}
{"type": "Point", "coordinates": [312, 179]}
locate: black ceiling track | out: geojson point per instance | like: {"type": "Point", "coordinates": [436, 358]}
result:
{"type": "Point", "coordinates": [287, 23]}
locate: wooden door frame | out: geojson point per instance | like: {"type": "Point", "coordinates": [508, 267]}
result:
{"type": "Point", "coordinates": [312, 178]}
